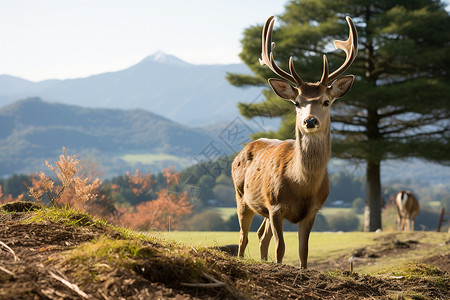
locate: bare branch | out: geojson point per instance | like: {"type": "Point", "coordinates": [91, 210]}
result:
{"type": "Point", "coordinates": [9, 250]}
{"type": "Point", "coordinates": [71, 286]}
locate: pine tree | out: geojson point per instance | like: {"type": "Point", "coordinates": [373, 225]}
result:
{"type": "Point", "coordinates": [399, 104]}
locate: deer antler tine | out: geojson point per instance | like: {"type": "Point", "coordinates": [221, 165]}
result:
{"type": "Point", "coordinates": [267, 55]}
{"type": "Point", "coordinates": [350, 46]}
{"type": "Point", "coordinates": [324, 78]}
{"type": "Point", "coordinates": [292, 70]}
{"type": "Point", "coordinates": [266, 40]}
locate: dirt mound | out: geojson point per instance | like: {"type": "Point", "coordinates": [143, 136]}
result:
{"type": "Point", "coordinates": [34, 264]}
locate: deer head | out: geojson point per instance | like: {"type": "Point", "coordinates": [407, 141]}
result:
{"type": "Point", "coordinates": [312, 100]}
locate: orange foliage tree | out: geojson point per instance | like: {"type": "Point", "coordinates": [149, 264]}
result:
{"type": "Point", "coordinates": [8, 198]}
{"type": "Point", "coordinates": [165, 212]}
{"type": "Point", "coordinates": [139, 184]}
{"type": "Point", "coordinates": [72, 190]}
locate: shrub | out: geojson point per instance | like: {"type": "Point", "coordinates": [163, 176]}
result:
{"type": "Point", "coordinates": [208, 220]}
{"type": "Point", "coordinates": [358, 205]}
{"type": "Point", "coordinates": [163, 213]}
{"type": "Point", "coordinates": [71, 190]}
{"type": "Point", "coordinates": [445, 202]}
{"type": "Point", "coordinates": [225, 195]}
{"type": "Point", "coordinates": [343, 222]}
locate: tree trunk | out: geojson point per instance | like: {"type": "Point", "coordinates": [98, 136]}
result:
{"type": "Point", "coordinates": [372, 212]}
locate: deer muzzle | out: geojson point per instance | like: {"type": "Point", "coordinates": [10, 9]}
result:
{"type": "Point", "coordinates": [311, 123]}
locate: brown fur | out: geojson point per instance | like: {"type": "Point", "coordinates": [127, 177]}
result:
{"type": "Point", "coordinates": [406, 211]}
{"type": "Point", "coordinates": [287, 179]}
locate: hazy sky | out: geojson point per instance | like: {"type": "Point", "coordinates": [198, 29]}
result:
{"type": "Point", "coordinates": [44, 39]}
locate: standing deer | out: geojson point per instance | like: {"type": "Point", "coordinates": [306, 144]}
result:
{"type": "Point", "coordinates": [288, 179]}
{"type": "Point", "coordinates": [407, 210]}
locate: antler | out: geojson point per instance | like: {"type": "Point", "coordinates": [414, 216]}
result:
{"type": "Point", "coordinates": [350, 46]}
{"type": "Point", "coordinates": [267, 55]}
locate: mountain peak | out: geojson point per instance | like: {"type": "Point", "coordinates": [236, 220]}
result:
{"type": "Point", "coordinates": [165, 58]}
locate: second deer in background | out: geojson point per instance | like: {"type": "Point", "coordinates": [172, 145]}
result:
{"type": "Point", "coordinates": [407, 210]}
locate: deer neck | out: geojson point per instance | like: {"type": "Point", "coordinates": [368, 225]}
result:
{"type": "Point", "coordinates": [311, 156]}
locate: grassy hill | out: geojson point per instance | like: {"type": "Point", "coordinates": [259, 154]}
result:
{"type": "Point", "coordinates": [32, 131]}
{"type": "Point", "coordinates": [52, 253]}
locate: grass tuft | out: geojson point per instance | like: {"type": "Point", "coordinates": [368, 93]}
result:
{"type": "Point", "coordinates": [65, 215]}
{"type": "Point", "coordinates": [414, 270]}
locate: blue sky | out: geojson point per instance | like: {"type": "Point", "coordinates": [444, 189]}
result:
{"type": "Point", "coordinates": [62, 39]}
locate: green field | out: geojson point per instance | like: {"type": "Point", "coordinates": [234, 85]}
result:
{"type": "Point", "coordinates": [323, 246]}
{"type": "Point", "coordinates": [227, 212]}
{"type": "Point", "coordinates": [150, 158]}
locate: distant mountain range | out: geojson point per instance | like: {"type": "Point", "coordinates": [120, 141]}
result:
{"type": "Point", "coordinates": [32, 131]}
{"type": "Point", "coordinates": [163, 84]}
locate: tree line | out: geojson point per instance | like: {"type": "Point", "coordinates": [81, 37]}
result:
{"type": "Point", "coordinates": [167, 200]}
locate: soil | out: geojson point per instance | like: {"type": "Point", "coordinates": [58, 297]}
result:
{"type": "Point", "coordinates": [30, 269]}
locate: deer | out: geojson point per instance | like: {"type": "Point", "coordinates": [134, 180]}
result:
{"type": "Point", "coordinates": [407, 210]}
{"type": "Point", "coordinates": [289, 179]}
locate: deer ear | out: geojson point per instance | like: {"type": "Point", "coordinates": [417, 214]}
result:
{"type": "Point", "coordinates": [341, 86]}
{"type": "Point", "coordinates": [283, 89]}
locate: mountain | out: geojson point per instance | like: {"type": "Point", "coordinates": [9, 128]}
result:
{"type": "Point", "coordinates": [32, 131]}
{"type": "Point", "coordinates": [189, 94]}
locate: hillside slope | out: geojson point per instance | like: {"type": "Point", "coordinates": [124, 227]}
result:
{"type": "Point", "coordinates": [33, 130]}
{"type": "Point", "coordinates": [66, 255]}
{"type": "Point", "coordinates": [186, 93]}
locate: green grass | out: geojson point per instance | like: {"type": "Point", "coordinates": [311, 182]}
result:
{"type": "Point", "coordinates": [65, 215]}
{"type": "Point", "coordinates": [435, 205]}
{"type": "Point", "coordinates": [323, 246]}
{"type": "Point", "coordinates": [328, 211]}
{"type": "Point", "coordinates": [150, 158]}
{"type": "Point", "coordinates": [225, 212]}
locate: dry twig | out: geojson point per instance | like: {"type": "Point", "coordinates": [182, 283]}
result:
{"type": "Point", "coordinates": [215, 283]}
{"type": "Point", "coordinates": [9, 250]}
{"type": "Point", "coordinates": [7, 271]}
{"type": "Point", "coordinates": [72, 286]}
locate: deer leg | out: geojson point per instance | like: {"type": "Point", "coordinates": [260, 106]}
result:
{"type": "Point", "coordinates": [264, 234]}
{"type": "Point", "coordinates": [245, 216]}
{"type": "Point", "coordinates": [276, 223]}
{"type": "Point", "coordinates": [402, 224]}
{"type": "Point", "coordinates": [304, 229]}
{"type": "Point", "coordinates": [412, 224]}
{"type": "Point", "coordinates": [399, 223]}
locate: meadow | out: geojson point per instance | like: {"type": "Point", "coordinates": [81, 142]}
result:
{"type": "Point", "coordinates": [324, 247]}
{"type": "Point", "coordinates": [151, 158]}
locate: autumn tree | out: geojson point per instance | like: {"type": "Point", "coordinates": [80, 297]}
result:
{"type": "Point", "coordinates": [69, 188]}
{"type": "Point", "coordinates": [399, 104]}
{"type": "Point", "coordinates": [139, 184]}
{"type": "Point", "coordinates": [9, 198]}
{"type": "Point", "coordinates": [163, 213]}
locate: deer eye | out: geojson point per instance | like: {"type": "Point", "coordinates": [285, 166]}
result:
{"type": "Point", "coordinates": [326, 103]}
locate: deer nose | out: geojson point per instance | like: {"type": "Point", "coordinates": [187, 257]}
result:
{"type": "Point", "coordinates": [311, 122]}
